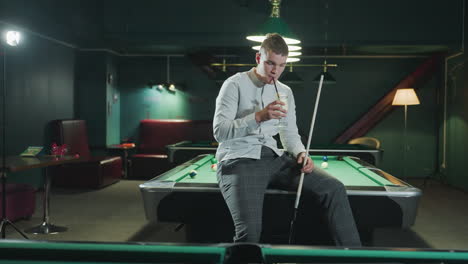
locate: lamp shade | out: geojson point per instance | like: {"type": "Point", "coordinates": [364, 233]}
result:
{"type": "Point", "coordinates": [327, 78]}
{"type": "Point", "coordinates": [274, 25]}
{"type": "Point", "coordinates": [291, 77]}
{"type": "Point", "coordinates": [406, 96]}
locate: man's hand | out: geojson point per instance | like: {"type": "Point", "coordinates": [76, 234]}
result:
{"type": "Point", "coordinates": [309, 166]}
{"type": "Point", "coordinates": [272, 111]}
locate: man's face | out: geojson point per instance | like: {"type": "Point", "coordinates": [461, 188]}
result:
{"type": "Point", "coordinates": [270, 65]}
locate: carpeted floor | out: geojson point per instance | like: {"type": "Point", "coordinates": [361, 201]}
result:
{"type": "Point", "coordinates": [116, 214]}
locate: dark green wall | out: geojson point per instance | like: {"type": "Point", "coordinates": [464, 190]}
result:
{"type": "Point", "coordinates": [91, 94]}
{"type": "Point", "coordinates": [112, 102]}
{"type": "Point", "coordinates": [194, 99]}
{"type": "Point", "coordinates": [454, 171]}
{"type": "Point", "coordinates": [40, 88]}
{"type": "Point", "coordinates": [453, 126]}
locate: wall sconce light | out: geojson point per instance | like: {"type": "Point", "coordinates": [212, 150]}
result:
{"type": "Point", "coordinates": [160, 86]}
{"type": "Point", "coordinates": [170, 86]}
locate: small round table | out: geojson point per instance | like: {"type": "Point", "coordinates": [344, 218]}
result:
{"type": "Point", "coordinates": [125, 147]}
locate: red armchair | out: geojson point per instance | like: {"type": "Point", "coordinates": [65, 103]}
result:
{"type": "Point", "coordinates": [91, 171]}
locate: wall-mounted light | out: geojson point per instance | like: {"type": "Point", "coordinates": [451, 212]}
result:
{"type": "Point", "coordinates": [169, 85]}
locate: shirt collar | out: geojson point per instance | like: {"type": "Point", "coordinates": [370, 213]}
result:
{"type": "Point", "coordinates": [257, 82]}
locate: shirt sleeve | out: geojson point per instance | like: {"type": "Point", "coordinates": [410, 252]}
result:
{"type": "Point", "coordinates": [225, 124]}
{"type": "Point", "coordinates": [289, 136]}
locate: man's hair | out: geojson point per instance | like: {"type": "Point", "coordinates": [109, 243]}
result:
{"type": "Point", "coordinates": [274, 42]}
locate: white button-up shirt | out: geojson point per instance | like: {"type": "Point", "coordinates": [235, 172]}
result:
{"type": "Point", "coordinates": [234, 125]}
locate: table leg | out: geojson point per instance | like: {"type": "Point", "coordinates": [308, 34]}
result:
{"type": "Point", "coordinates": [125, 161]}
{"type": "Point", "coordinates": [46, 227]}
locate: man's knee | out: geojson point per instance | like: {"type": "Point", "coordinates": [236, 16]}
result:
{"type": "Point", "coordinates": [336, 190]}
{"type": "Point", "coordinates": [330, 190]}
{"type": "Point", "coordinates": [244, 233]}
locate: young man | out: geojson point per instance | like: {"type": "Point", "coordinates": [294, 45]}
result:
{"type": "Point", "coordinates": [246, 119]}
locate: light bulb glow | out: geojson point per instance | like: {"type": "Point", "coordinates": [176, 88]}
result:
{"type": "Point", "coordinates": [172, 88]}
{"type": "Point", "coordinates": [262, 38]}
{"type": "Point", "coordinates": [293, 60]}
{"type": "Point", "coordinates": [294, 53]}
{"type": "Point", "coordinates": [13, 38]}
{"type": "Point", "coordinates": [290, 48]}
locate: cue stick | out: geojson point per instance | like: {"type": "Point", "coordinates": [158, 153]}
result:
{"type": "Point", "coordinates": [301, 179]}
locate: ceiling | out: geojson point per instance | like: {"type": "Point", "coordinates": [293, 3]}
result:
{"type": "Point", "coordinates": [220, 26]}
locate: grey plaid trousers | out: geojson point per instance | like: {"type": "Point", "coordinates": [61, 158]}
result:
{"type": "Point", "coordinates": [243, 183]}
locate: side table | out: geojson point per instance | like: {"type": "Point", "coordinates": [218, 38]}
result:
{"type": "Point", "coordinates": [124, 147]}
{"type": "Point", "coordinates": [18, 163]}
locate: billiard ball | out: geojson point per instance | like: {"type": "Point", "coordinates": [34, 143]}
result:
{"type": "Point", "coordinates": [214, 161]}
{"type": "Point", "coordinates": [214, 167]}
{"type": "Point", "coordinates": [193, 173]}
{"type": "Point", "coordinates": [324, 165]}
{"type": "Point", "coordinates": [325, 158]}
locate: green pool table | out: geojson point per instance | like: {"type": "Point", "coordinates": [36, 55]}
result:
{"type": "Point", "coordinates": [185, 150]}
{"type": "Point", "coordinates": [29, 252]}
{"type": "Point", "coordinates": [377, 198]}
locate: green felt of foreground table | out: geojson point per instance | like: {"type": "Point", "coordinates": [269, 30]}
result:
{"type": "Point", "coordinates": [347, 170]}
{"type": "Point", "coordinates": [16, 251]}
{"type": "Point", "coordinates": [377, 198]}
{"type": "Point", "coordinates": [21, 251]}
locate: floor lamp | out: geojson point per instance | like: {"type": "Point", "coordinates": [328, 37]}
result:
{"type": "Point", "coordinates": [406, 96]}
{"type": "Point", "coordinates": [12, 38]}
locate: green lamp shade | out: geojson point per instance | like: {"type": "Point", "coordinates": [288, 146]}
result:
{"type": "Point", "coordinates": [274, 25]}
{"type": "Point", "coordinates": [291, 78]}
{"type": "Point", "coordinates": [327, 78]}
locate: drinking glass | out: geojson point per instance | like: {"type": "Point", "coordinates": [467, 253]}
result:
{"type": "Point", "coordinates": [283, 98]}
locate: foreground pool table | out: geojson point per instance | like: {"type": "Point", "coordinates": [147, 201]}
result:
{"type": "Point", "coordinates": [185, 150]}
{"type": "Point", "coordinates": [377, 199]}
{"type": "Point", "coordinates": [29, 252]}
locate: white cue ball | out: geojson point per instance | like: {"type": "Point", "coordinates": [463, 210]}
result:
{"type": "Point", "coordinates": [324, 165]}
